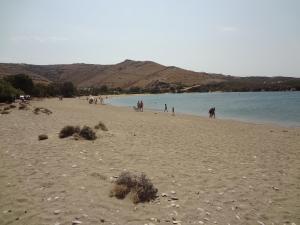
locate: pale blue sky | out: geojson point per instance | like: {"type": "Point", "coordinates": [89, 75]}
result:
{"type": "Point", "coordinates": [236, 37]}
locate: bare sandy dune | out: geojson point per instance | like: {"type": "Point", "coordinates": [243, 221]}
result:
{"type": "Point", "coordinates": [221, 172]}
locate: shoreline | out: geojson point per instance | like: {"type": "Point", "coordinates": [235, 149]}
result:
{"type": "Point", "coordinates": [217, 118]}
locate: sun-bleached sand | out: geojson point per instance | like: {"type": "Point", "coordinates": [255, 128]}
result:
{"type": "Point", "coordinates": [220, 172]}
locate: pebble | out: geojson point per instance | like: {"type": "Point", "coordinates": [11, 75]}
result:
{"type": "Point", "coordinates": [173, 192]}
{"type": "Point", "coordinates": [174, 198]}
{"type": "Point", "coordinates": [74, 166]}
{"type": "Point", "coordinates": [201, 222]}
{"type": "Point", "coordinates": [76, 222]}
{"type": "Point", "coordinates": [219, 208]}
{"type": "Point", "coordinates": [275, 188]}
{"type": "Point", "coordinates": [164, 195]}
{"type": "Point", "coordinates": [259, 222]}
{"type": "Point", "coordinates": [57, 211]}
{"type": "Point", "coordinates": [238, 217]}
{"type": "Point", "coordinates": [176, 222]}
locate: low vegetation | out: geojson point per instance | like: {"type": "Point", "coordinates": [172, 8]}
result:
{"type": "Point", "coordinates": [101, 126]}
{"type": "Point", "coordinates": [68, 131]}
{"type": "Point", "coordinates": [39, 110]}
{"type": "Point", "coordinates": [87, 133]}
{"type": "Point", "coordinates": [140, 188]}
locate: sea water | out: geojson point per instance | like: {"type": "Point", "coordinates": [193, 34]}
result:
{"type": "Point", "coordinates": [261, 107]}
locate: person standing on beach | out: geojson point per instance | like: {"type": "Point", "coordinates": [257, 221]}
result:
{"type": "Point", "coordinates": [212, 112]}
{"type": "Point", "coordinates": [142, 106]}
{"type": "Point", "coordinates": [166, 108]}
{"type": "Point", "coordinates": [173, 111]}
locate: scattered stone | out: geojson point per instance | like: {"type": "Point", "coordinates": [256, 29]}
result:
{"type": "Point", "coordinates": [259, 222]}
{"type": "Point", "coordinates": [42, 137]}
{"type": "Point", "coordinates": [275, 188]}
{"type": "Point", "coordinates": [102, 220]}
{"type": "Point", "coordinates": [164, 195]}
{"type": "Point", "coordinates": [74, 222]}
{"type": "Point", "coordinates": [219, 208]}
{"type": "Point", "coordinates": [200, 222]}
{"type": "Point", "coordinates": [56, 212]}
{"type": "Point", "coordinates": [206, 219]}
{"type": "Point", "coordinates": [174, 198]}
{"type": "Point", "coordinates": [238, 217]}
{"type": "Point", "coordinates": [173, 192]}
{"type": "Point", "coordinates": [74, 166]}
{"type": "Point", "coordinates": [176, 222]}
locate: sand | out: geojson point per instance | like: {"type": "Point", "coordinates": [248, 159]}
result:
{"type": "Point", "coordinates": [222, 172]}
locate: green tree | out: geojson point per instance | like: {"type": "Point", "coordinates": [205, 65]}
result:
{"type": "Point", "coordinates": [7, 92]}
{"type": "Point", "coordinates": [22, 82]}
{"type": "Point", "coordinates": [68, 89]}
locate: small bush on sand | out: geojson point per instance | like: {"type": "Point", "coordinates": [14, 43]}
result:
{"type": "Point", "coordinates": [68, 131]}
{"type": "Point", "coordinates": [119, 191]}
{"type": "Point", "coordinates": [140, 188]}
{"type": "Point", "coordinates": [23, 106]}
{"type": "Point", "coordinates": [101, 126]}
{"type": "Point", "coordinates": [12, 106]}
{"type": "Point", "coordinates": [43, 137]}
{"type": "Point", "coordinates": [42, 110]}
{"type": "Point", "coordinates": [143, 191]}
{"type": "Point", "coordinates": [5, 112]}
{"type": "Point", "coordinates": [6, 108]}
{"type": "Point", "coordinates": [87, 133]}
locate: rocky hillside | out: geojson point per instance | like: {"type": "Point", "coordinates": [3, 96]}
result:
{"type": "Point", "coordinates": [143, 74]}
{"type": "Point", "coordinates": [146, 75]}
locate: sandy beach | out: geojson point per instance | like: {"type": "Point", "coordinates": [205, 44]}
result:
{"type": "Point", "coordinates": [211, 171]}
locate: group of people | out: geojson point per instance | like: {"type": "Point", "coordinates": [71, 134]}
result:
{"type": "Point", "coordinates": [166, 110]}
{"type": "Point", "coordinates": [94, 100]}
{"type": "Point", "coordinates": [140, 106]}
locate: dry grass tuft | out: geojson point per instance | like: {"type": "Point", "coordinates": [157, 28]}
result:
{"type": "Point", "coordinates": [87, 133]}
{"type": "Point", "coordinates": [140, 188]}
{"type": "Point", "coordinates": [5, 112]}
{"type": "Point", "coordinates": [101, 126]}
{"type": "Point", "coordinates": [23, 106]}
{"type": "Point", "coordinates": [43, 137]}
{"type": "Point", "coordinates": [68, 131]}
{"type": "Point", "coordinates": [42, 110]}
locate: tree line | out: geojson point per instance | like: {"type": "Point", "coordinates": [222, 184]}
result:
{"type": "Point", "coordinates": [11, 87]}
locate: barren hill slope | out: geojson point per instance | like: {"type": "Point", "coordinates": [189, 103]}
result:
{"type": "Point", "coordinates": [125, 74]}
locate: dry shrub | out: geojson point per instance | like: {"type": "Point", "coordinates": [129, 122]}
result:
{"type": "Point", "coordinates": [119, 191]}
{"type": "Point", "coordinates": [101, 126]}
{"type": "Point", "coordinates": [87, 133]}
{"type": "Point", "coordinates": [5, 112]}
{"type": "Point", "coordinates": [23, 106]}
{"type": "Point", "coordinates": [42, 110]}
{"type": "Point", "coordinates": [140, 187]}
{"type": "Point", "coordinates": [6, 108]}
{"type": "Point", "coordinates": [68, 131]}
{"type": "Point", "coordinates": [144, 190]}
{"type": "Point", "coordinates": [12, 106]}
{"type": "Point", "coordinates": [43, 137]}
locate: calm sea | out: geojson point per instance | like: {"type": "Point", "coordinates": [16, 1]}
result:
{"type": "Point", "coordinates": [261, 107]}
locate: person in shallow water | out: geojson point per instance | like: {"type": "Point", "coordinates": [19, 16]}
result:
{"type": "Point", "coordinates": [166, 108]}
{"type": "Point", "coordinates": [212, 112]}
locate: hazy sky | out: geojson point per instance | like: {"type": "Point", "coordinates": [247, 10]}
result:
{"type": "Point", "coordinates": [237, 37]}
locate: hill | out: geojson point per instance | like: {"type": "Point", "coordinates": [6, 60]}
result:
{"type": "Point", "coordinates": [145, 75]}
